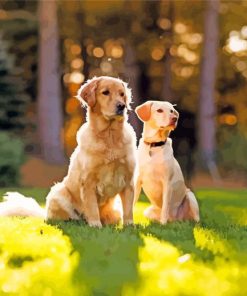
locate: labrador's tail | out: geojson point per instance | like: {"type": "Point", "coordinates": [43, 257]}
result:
{"type": "Point", "coordinates": [16, 204]}
{"type": "Point", "coordinates": [193, 204]}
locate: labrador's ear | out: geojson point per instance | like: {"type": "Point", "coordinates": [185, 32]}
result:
{"type": "Point", "coordinates": [144, 111]}
{"type": "Point", "coordinates": [177, 113]}
{"type": "Point", "coordinates": [87, 92]}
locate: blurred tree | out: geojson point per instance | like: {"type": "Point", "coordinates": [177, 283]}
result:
{"type": "Point", "coordinates": [166, 92]}
{"type": "Point", "coordinates": [207, 103]}
{"type": "Point", "coordinates": [49, 96]}
{"type": "Point", "coordinates": [13, 97]}
{"type": "Point", "coordinates": [132, 76]}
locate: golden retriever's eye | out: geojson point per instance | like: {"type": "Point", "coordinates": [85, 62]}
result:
{"type": "Point", "coordinates": [159, 110]}
{"type": "Point", "coordinates": [106, 92]}
{"type": "Point", "coordinates": [122, 94]}
{"type": "Point", "coordinates": [171, 111]}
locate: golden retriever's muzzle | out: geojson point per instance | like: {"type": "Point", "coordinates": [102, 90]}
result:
{"type": "Point", "coordinates": [120, 109]}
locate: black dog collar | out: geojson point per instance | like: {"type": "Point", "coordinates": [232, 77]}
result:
{"type": "Point", "coordinates": [155, 144]}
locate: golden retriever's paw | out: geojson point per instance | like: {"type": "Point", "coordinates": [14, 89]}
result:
{"type": "Point", "coordinates": [128, 222]}
{"type": "Point", "coordinates": [95, 224]}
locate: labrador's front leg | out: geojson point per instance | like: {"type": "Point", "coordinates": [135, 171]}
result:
{"type": "Point", "coordinates": [166, 202]}
{"type": "Point", "coordinates": [90, 204]}
{"type": "Point", "coordinates": [127, 197]}
{"type": "Point", "coordinates": [138, 187]}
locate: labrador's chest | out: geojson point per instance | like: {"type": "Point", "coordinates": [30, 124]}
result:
{"type": "Point", "coordinates": [154, 162]}
{"type": "Point", "coordinates": [154, 166]}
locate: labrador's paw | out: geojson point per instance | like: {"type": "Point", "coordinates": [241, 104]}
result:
{"type": "Point", "coordinates": [163, 221]}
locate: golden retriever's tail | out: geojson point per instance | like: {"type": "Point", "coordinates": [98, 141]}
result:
{"type": "Point", "coordinates": [16, 204]}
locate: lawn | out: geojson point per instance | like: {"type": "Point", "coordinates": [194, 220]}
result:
{"type": "Point", "coordinates": [70, 258]}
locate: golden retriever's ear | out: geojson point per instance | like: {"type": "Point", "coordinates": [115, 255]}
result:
{"type": "Point", "coordinates": [87, 92]}
{"type": "Point", "coordinates": [144, 111]}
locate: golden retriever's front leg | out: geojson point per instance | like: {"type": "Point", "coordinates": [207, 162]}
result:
{"type": "Point", "coordinates": [127, 197]}
{"type": "Point", "coordinates": [90, 205]}
{"type": "Point", "coordinates": [165, 210]}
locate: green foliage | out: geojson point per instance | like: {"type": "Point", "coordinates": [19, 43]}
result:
{"type": "Point", "coordinates": [11, 158]}
{"type": "Point", "coordinates": [70, 258]}
{"type": "Point", "coordinates": [13, 97]}
{"type": "Point", "coordinates": [232, 147]}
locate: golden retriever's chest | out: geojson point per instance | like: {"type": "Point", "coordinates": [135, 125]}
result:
{"type": "Point", "coordinates": [111, 180]}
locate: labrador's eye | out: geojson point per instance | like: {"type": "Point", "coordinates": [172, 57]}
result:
{"type": "Point", "coordinates": [122, 94]}
{"type": "Point", "coordinates": [171, 111]}
{"type": "Point", "coordinates": [106, 92]}
{"type": "Point", "coordinates": [159, 110]}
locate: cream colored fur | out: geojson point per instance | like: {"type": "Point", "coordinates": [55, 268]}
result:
{"type": "Point", "coordinates": [15, 204]}
{"type": "Point", "coordinates": [159, 173]}
{"type": "Point", "coordinates": [102, 165]}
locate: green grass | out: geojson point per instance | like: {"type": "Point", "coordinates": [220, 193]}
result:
{"type": "Point", "coordinates": [70, 258]}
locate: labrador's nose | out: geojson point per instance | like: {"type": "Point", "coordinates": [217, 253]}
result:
{"type": "Point", "coordinates": [120, 108]}
{"type": "Point", "coordinates": [174, 120]}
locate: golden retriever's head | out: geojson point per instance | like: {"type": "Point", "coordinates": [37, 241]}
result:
{"type": "Point", "coordinates": [161, 115]}
{"type": "Point", "coordinates": [106, 95]}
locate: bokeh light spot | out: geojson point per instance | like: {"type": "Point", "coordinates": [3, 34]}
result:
{"type": "Point", "coordinates": [164, 23]}
{"type": "Point", "coordinates": [75, 49]}
{"type": "Point", "coordinates": [244, 31]}
{"type": "Point", "coordinates": [236, 44]}
{"type": "Point", "coordinates": [180, 28]}
{"type": "Point", "coordinates": [76, 77]}
{"type": "Point", "coordinates": [98, 52]}
{"type": "Point", "coordinates": [117, 51]}
{"type": "Point", "coordinates": [77, 63]}
{"type": "Point", "coordinates": [228, 119]}
{"type": "Point", "coordinates": [158, 53]}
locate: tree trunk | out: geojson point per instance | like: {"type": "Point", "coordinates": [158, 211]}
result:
{"type": "Point", "coordinates": [49, 86]}
{"type": "Point", "coordinates": [132, 76]}
{"type": "Point", "coordinates": [166, 93]}
{"type": "Point", "coordinates": [207, 106]}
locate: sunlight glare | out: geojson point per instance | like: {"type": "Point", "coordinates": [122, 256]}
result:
{"type": "Point", "coordinates": [236, 44]}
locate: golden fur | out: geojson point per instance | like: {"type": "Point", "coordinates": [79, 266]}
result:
{"type": "Point", "coordinates": [102, 164]}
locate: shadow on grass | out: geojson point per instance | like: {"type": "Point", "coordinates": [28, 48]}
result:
{"type": "Point", "coordinates": [108, 257]}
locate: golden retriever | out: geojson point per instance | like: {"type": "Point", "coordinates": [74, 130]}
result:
{"type": "Point", "coordinates": [102, 165]}
{"type": "Point", "coordinates": [159, 173]}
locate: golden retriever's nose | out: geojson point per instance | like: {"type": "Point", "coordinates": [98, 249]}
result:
{"type": "Point", "coordinates": [120, 108]}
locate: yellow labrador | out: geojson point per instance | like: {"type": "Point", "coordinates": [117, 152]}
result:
{"type": "Point", "coordinates": [101, 167]}
{"type": "Point", "coordinates": [159, 173]}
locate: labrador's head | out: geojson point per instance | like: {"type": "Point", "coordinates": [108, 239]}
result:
{"type": "Point", "coordinates": [161, 115]}
{"type": "Point", "coordinates": [106, 95]}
